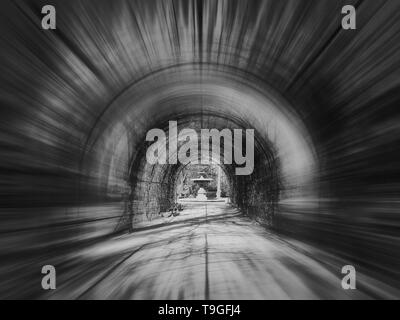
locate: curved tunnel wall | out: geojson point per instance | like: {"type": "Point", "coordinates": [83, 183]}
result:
{"type": "Point", "coordinates": [206, 98]}
{"type": "Point", "coordinates": [66, 111]}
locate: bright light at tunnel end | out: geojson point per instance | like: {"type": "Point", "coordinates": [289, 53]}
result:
{"type": "Point", "coordinates": [187, 147]}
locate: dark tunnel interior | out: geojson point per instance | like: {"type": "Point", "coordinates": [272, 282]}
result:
{"type": "Point", "coordinates": [77, 102]}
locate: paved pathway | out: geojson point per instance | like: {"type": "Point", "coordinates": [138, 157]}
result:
{"type": "Point", "coordinates": [210, 251]}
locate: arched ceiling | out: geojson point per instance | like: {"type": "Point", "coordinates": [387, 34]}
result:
{"type": "Point", "coordinates": [76, 103]}
{"type": "Point", "coordinates": [58, 87]}
{"type": "Point", "coordinates": [204, 98]}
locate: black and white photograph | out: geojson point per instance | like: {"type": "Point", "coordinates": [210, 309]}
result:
{"type": "Point", "coordinates": [199, 150]}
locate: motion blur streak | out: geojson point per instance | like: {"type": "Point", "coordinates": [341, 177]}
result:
{"type": "Point", "coordinates": [77, 192]}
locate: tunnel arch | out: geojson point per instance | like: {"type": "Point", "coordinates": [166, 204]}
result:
{"type": "Point", "coordinates": [204, 96]}
{"type": "Point", "coordinates": [77, 102]}
{"type": "Point", "coordinates": [160, 177]}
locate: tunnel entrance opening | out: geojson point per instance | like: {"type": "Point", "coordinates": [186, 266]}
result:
{"type": "Point", "coordinates": [115, 153]}
{"type": "Point", "coordinates": [156, 187]}
{"type": "Point", "coordinates": [202, 182]}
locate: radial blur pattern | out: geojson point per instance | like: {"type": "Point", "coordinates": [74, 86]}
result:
{"type": "Point", "coordinates": [76, 104]}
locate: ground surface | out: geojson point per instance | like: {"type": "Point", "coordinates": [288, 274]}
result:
{"type": "Point", "coordinates": [210, 251]}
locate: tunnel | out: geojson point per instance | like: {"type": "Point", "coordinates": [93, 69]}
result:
{"type": "Point", "coordinates": [79, 193]}
{"type": "Point", "coordinates": [115, 154]}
